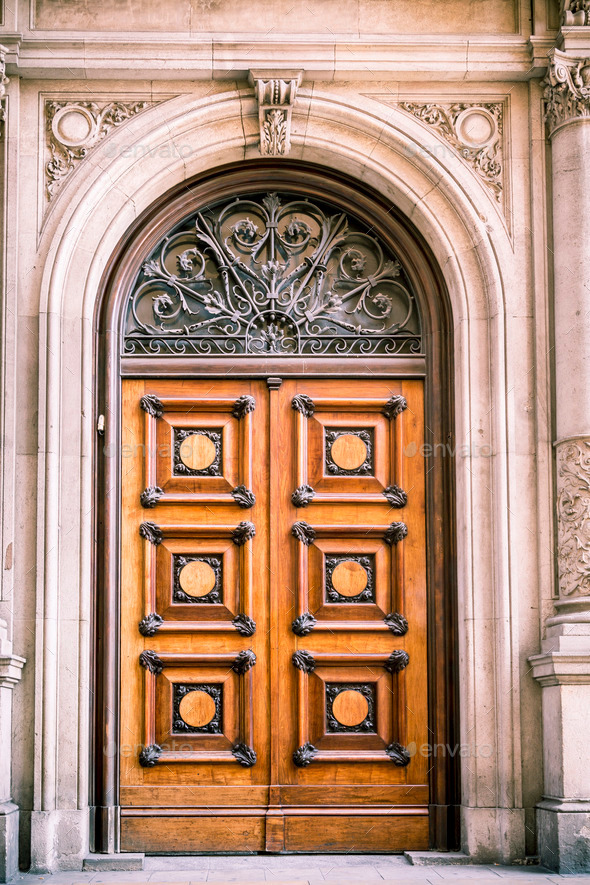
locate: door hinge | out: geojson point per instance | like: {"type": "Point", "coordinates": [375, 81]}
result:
{"type": "Point", "coordinates": [100, 425]}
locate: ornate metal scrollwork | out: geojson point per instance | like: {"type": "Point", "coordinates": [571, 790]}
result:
{"type": "Point", "coordinates": [214, 596]}
{"type": "Point", "coordinates": [179, 692]}
{"type": "Point", "coordinates": [243, 405]}
{"type": "Point", "coordinates": [151, 532]}
{"type": "Point", "coordinates": [304, 755]}
{"type": "Point", "coordinates": [333, 689]}
{"type": "Point", "coordinates": [243, 497]}
{"type": "Point", "coordinates": [271, 274]}
{"type": "Point", "coordinates": [397, 661]}
{"type": "Point", "coordinates": [365, 595]}
{"type": "Point", "coordinates": [396, 532]}
{"type": "Point", "coordinates": [303, 532]}
{"type": "Point", "coordinates": [152, 405]}
{"type": "Point", "coordinates": [150, 755]}
{"type": "Point", "coordinates": [303, 403]}
{"type": "Point", "coordinates": [302, 496]}
{"type": "Point", "coordinates": [398, 754]}
{"type": "Point", "coordinates": [395, 496]}
{"type": "Point", "coordinates": [335, 469]}
{"type": "Point", "coordinates": [150, 496]}
{"type": "Point", "coordinates": [394, 406]}
{"type": "Point", "coordinates": [244, 662]}
{"type": "Point", "coordinates": [304, 624]}
{"type": "Point", "coordinates": [396, 623]}
{"type": "Point", "coordinates": [181, 469]}
{"type": "Point", "coordinates": [151, 662]}
{"type": "Point", "coordinates": [244, 625]}
{"type": "Point", "coordinates": [245, 755]}
{"type": "Point", "coordinates": [242, 533]}
{"type": "Point", "coordinates": [303, 660]}
{"type": "Point", "coordinates": [150, 625]}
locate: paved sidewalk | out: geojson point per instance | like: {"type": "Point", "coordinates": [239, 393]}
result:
{"type": "Point", "coordinates": [307, 869]}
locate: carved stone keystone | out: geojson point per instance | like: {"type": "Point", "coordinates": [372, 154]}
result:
{"type": "Point", "coordinates": [275, 94]}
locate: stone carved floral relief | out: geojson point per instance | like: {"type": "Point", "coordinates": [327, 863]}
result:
{"type": "Point", "coordinates": [573, 517]}
{"type": "Point", "coordinates": [276, 97]}
{"type": "Point", "coordinates": [74, 128]}
{"type": "Point", "coordinates": [475, 131]}
{"type": "Point", "coordinates": [567, 89]}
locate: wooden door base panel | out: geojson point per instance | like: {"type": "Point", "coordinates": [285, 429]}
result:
{"type": "Point", "coordinates": [370, 829]}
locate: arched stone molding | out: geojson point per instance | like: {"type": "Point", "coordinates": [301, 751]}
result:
{"type": "Point", "coordinates": [463, 226]}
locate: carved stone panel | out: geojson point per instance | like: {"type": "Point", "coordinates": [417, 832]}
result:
{"type": "Point", "coordinates": [573, 517]}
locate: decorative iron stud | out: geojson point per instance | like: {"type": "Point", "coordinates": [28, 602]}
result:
{"type": "Point", "coordinates": [304, 404]}
{"type": "Point", "coordinates": [398, 754]}
{"type": "Point", "coordinates": [150, 496]}
{"type": "Point", "coordinates": [244, 625]}
{"type": "Point", "coordinates": [150, 624]}
{"type": "Point", "coordinates": [304, 755]}
{"type": "Point", "coordinates": [394, 406]}
{"type": "Point", "coordinates": [244, 662]}
{"type": "Point", "coordinates": [304, 660]}
{"type": "Point", "coordinates": [396, 496]}
{"type": "Point", "coordinates": [152, 405]}
{"type": "Point", "coordinates": [398, 660]}
{"type": "Point", "coordinates": [302, 496]}
{"type": "Point", "coordinates": [151, 661]}
{"type": "Point", "coordinates": [243, 496]}
{"type": "Point", "coordinates": [303, 532]}
{"type": "Point", "coordinates": [396, 623]}
{"type": "Point", "coordinates": [242, 533]}
{"type": "Point", "coordinates": [150, 755]}
{"type": "Point", "coordinates": [304, 624]}
{"type": "Point", "coordinates": [396, 532]}
{"type": "Point", "coordinates": [245, 755]}
{"type": "Point", "coordinates": [243, 405]}
{"type": "Point", "coordinates": [151, 532]}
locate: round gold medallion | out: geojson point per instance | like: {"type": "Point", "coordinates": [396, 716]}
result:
{"type": "Point", "coordinates": [349, 578]}
{"type": "Point", "coordinates": [348, 451]}
{"type": "Point", "coordinates": [350, 708]}
{"type": "Point", "coordinates": [197, 451]}
{"type": "Point", "coordinates": [197, 578]}
{"type": "Point", "coordinates": [197, 708]}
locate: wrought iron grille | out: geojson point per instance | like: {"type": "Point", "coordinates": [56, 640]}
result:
{"type": "Point", "coordinates": [271, 274]}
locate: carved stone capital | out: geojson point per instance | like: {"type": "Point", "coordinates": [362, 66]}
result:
{"type": "Point", "coordinates": [275, 93]}
{"type": "Point", "coordinates": [573, 516]}
{"type": "Point", "coordinates": [567, 89]}
{"type": "Point", "coordinates": [4, 81]}
{"type": "Point", "coordinates": [575, 13]}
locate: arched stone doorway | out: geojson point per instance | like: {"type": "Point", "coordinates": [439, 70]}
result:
{"type": "Point", "coordinates": [355, 317]}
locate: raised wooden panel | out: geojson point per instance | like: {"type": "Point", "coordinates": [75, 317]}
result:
{"type": "Point", "coordinates": [197, 449]}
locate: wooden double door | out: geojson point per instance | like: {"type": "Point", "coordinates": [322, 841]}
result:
{"type": "Point", "coordinates": [273, 616]}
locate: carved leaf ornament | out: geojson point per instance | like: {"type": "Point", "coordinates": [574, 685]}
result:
{"type": "Point", "coordinates": [271, 274]}
{"type": "Point", "coordinates": [573, 517]}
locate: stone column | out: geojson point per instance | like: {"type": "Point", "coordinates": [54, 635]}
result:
{"type": "Point", "coordinates": [563, 667]}
{"type": "Point", "coordinates": [10, 672]}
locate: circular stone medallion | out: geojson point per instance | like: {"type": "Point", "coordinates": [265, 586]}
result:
{"type": "Point", "coordinates": [197, 578]}
{"type": "Point", "coordinates": [348, 451]}
{"type": "Point", "coordinates": [349, 578]}
{"type": "Point", "coordinates": [350, 708]}
{"type": "Point", "coordinates": [197, 451]}
{"type": "Point", "coordinates": [73, 126]}
{"type": "Point", "coordinates": [197, 708]}
{"type": "Point", "coordinates": [476, 127]}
